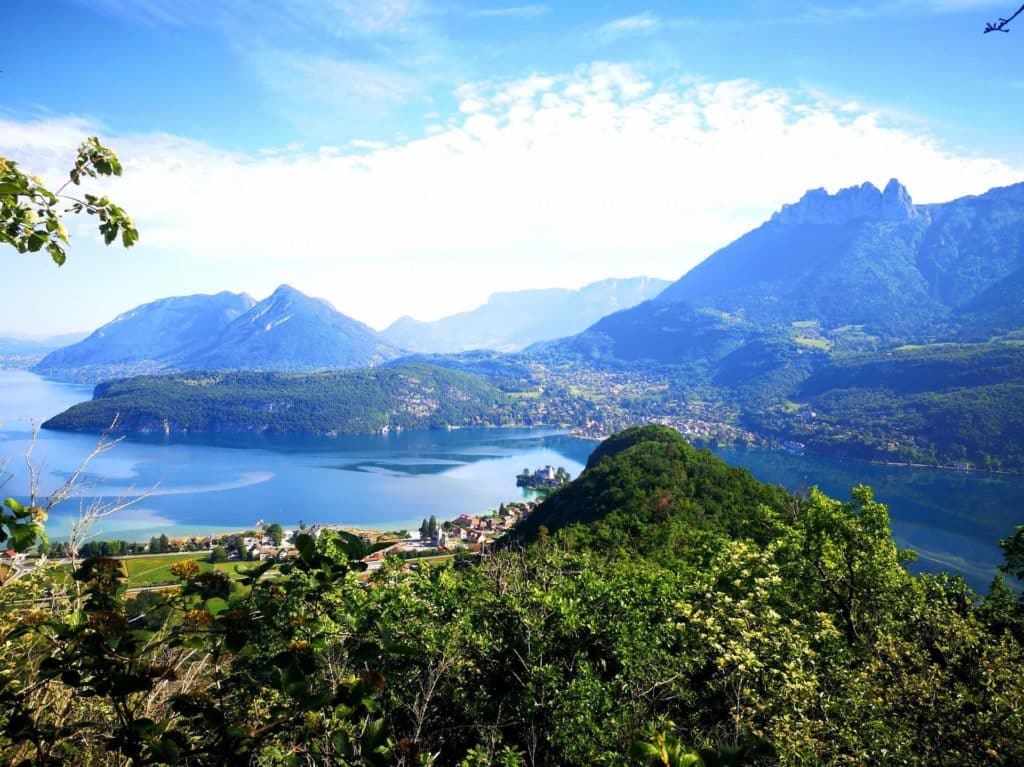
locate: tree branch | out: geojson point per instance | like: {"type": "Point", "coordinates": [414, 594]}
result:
{"type": "Point", "coordinates": [1002, 24]}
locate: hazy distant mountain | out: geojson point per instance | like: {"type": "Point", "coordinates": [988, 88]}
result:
{"type": "Point", "coordinates": [228, 331]}
{"type": "Point", "coordinates": [146, 339]}
{"type": "Point", "coordinates": [291, 331]}
{"type": "Point", "coordinates": [22, 353]}
{"type": "Point", "coordinates": [513, 320]}
{"type": "Point", "coordinates": [862, 264]}
{"type": "Point", "coordinates": [30, 346]}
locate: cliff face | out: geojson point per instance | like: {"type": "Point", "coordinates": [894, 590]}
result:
{"type": "Point", "coordinates": [856, 202]}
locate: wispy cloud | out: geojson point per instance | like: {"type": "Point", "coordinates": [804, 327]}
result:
{"type": "Point", "coordinates": [856, 11]}
{"type": "Point", "coordinates": [511, 12]}
{"type": "Point", "coordinates": [630, 25]}
{"type": "Point", "coordinates": [327, 66]}
{"type": "Point", "coordinates": [550, 179]}
{"type": "Point", "coordinates": [144, 11]}
{"type": "Point", "coordinates": [332, 82]}
{"type": "Point", "coordinates": [338, 17]}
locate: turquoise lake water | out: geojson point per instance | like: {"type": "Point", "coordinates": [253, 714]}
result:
{"type": "Point", "coordinates": [210, 483]}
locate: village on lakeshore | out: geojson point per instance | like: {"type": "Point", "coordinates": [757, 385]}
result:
{"type": "Point", "coordinates": [433, 542]}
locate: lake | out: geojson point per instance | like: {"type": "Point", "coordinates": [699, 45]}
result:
{"type": "Point", "coordinates": [214, 483]}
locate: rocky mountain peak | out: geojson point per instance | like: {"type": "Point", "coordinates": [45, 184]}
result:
{"type": "Point", "coordinates": [856, 202]}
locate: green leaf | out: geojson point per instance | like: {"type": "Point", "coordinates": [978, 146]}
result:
{"type": "Point", "coordinates": [23, 537]}
{"type": "Point", "coordinates": [56, 253]}
{"type": "Point", "coordinates": [644, 751]}
{"type": "Point", "coordinates": [374, 735]}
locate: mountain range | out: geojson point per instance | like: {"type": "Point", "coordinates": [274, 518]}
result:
{"type": "Point", "coordinates": [805, 332]}
{"type": "Point", "coordinates": [511, 321]}
{"type": "Point", "coordinates": [29, 346]}
{"type": "Point", "coordinates": [290, 331]}
{"type": "Point", "coordinates": [287, 331]}
{"type": "Point", "coordinates": [860, 269]}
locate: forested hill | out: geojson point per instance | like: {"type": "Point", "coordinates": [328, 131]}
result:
{"type": "Point", "coordinates": [405, 396]}
{"type": "Point", "coordinates": [646, 481]}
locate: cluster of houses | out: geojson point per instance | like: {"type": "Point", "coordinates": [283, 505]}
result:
{"type": "Point", "coordinates": [263, 547]}
{"type": "Point", "coordinates": [466, 532]}
{"type": "Point", "coordinates": [473, 531]}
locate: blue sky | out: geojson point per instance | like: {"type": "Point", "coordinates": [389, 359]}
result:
{"type": "Point", "coordinates": [402, 157]}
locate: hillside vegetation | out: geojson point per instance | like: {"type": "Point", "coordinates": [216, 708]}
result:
{"type": "Point", "coordinates": [408, 396]}
{"type": "Point", "coordinates": [663, 603]}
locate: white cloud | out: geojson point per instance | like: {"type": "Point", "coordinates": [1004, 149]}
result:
{"type": "Point", "coordinates": [511, 12]}
{"type": "Point", "coordinates": [629, 25]}
{"type": "Point", "coordinates": [550, 180]}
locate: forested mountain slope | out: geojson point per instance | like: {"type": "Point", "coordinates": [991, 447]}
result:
{"type": "Point", "coordinates": [871, 258]}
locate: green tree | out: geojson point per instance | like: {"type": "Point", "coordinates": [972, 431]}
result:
{"type": "Point", "coordinates": [31, 215]}
{"type": "Point", "coordinates": [219, 554]}
{"type": "Point", "coordinates": [276, 532]}
{"type": "Point", "coordinates": [1013, 554]}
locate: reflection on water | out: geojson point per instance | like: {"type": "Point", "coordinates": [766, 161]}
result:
{"type": "Point", "coordinates": [207, 483]}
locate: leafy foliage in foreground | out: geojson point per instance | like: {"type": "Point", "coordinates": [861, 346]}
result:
{"type": "Point", "coordinates": [30, 216]}
{"type": "Point", "coordinates": [734, 624]}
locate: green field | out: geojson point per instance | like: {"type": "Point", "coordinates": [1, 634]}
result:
{"type": "Point", "coordinates": [813, 343]}
{"type": "Point", "coordinates": [156, 570]}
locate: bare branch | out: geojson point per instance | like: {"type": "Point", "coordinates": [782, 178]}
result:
{"type": "Point", "coordinates": [1002, 24]}
{"type": "Point", "coordinates": [98, 508]}
{"type": "Point", "coordinates": [103, 444]}
{"type": "Point", "coordinates": [33, 469]}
